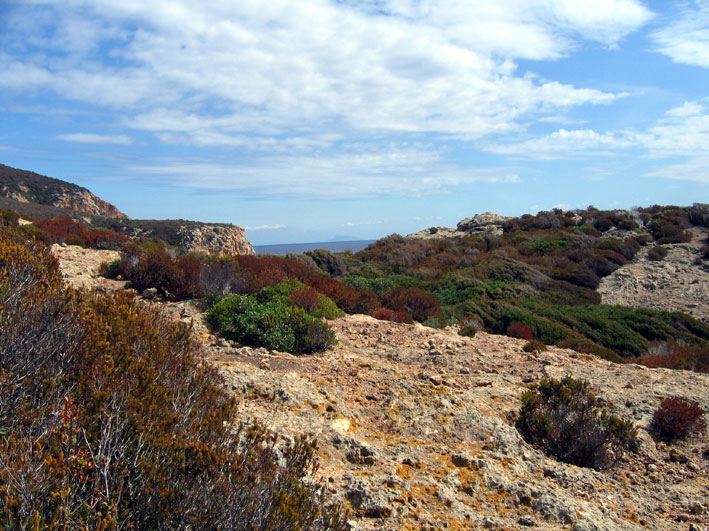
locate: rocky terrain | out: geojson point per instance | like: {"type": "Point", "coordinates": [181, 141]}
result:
{"type": "Point", "coordinates": [415, 427]}
{"type": "Point", "coordinates": [675, 283]}
{"type": "Point", "coordinates": [487, 224]}
{"type": "Point", "coordinates": [29, 187]}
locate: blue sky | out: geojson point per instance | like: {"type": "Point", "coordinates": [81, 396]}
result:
{"type": "Point", "coordinates": [320, 119]}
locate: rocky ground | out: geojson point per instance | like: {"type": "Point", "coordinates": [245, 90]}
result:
{"type": "Point", "coordinates": [415, 428]}
{"type": "Point", "coordinates": [675, 283]}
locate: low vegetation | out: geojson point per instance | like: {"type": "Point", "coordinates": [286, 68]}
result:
{"type": "Point", "coordinates": [565, 420]}
{"type": "Point", "coordinates": [110, 421]}
{"type": "Point", "coordinates": [677, 418]}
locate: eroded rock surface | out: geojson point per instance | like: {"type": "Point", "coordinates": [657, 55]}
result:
{"type": "Point", "coordinates": [676, 283]}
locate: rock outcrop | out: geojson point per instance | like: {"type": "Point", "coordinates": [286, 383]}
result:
{"type": "Point", "coordinates": [214, 239]}
{"type": "Point", "coordinates": [487, 224]}
{"type": "Point", "coordinates": [677, 283]}
{"type": "Point", "coordinates": [29, 187]}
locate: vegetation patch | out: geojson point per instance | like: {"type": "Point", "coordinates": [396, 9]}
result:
{"type": "Point", "coordinates": [677, 418]}
{"type": "Point", "coordinates": [565, 420]}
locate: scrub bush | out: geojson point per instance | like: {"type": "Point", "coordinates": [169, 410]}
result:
{"type": "Point", "coordinates": [110, 420]}
{"type": "Point", "coordinates": [519, 331]}
{"type": "Point", "coordinates": [676, 418]}
{"type": "Point", "coordinates": [565, 420]}
{"type": "Point", "coordinates": [533, 344]}
{"type": "Point", "coordinates": [657, 253]}
{"type": "Point", "coordinates": [416, 302]}
{"type": "Point", "coordinates": [385, 314]}
{"type": "Point", "coordinates": [273, 324]}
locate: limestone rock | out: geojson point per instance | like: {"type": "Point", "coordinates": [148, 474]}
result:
{"type": "Point", "coordinates": [215, 239]}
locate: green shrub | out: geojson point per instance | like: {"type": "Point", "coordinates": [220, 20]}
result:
{"type": "Point", "coordinates": [565, 420]}
{"type": "Point", "coordinates": [110, 269]}
{"type": "Point", "coordinates": [274, 325]}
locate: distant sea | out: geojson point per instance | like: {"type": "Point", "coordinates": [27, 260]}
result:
{"type": "Point", "coordinates": [299, 248]}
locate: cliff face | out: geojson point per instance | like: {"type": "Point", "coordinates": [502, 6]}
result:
{"type": "Point", "coordinates": [214, 239]}
{"type": "Point", "coordinates": [29, 187]}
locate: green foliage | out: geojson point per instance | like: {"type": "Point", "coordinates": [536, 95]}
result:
{"type": "Point", "coordinates": [273, 324]}
{"type": "Point", "coordinates": [111, 420]}
{"type": "Point", "coordinates": [565, 420]}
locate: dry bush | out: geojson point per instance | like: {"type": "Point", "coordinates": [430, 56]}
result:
{"type": "Point", "coordinates": [110, 420]}
{"type": "Point", "coordinates": [676, 418]}
{"type": "Point", "coordinates": [565, 420]}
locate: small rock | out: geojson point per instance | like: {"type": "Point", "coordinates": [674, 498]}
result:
{"type": "Point", "coordinates": [527, 521]}
{"type": "Point", "coordinates": [696, 508]}
{"type": "Point", "coordinates": [149, 293]}
{"type": "Point", "coordinates": [693, 467]}
{"type": "Point", "coordinates": [677, 457]}
{"type": "Point", "coordinates": [651, 468]}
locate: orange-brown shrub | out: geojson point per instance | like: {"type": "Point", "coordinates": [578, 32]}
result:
{"type": "Point", "coordinates": [306, 298]}
{"type": "Point", "coordinates": [65, 230]}
{"type": "Point", "coordinates": [386, 314]}
{"type": "Point", "coordinates": [693, 357]}
{"type": "Point", "coordinates": [676, 418]}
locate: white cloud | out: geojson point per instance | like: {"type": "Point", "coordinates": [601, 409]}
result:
{"type": "Point", "coordinates": [208, 74]}
{"type": "Point", "coordinates": [92, 138]}
{"type": "Point", "coordinates": [687, 39]}
{"type": "Point", "coordinates": [266, 227]}
{"type": "Point", "coordinates": [562, 144]}
{"type": "Point", "coordinates": [360, 171]}
{"type": "Point", "coordinates": [695, 169]}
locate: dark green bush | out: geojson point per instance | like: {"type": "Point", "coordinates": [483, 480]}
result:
{"type": "Point", "coordinates": [273, 324]}
{"type": "Point", "coordinates": [565, 420]}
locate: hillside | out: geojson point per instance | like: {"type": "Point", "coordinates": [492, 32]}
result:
{"type": "Point", "coordinates": [29, 187]}
{"type": "Point", "coordinates": [43, 198]}
{"type": "Point", "coordinates": [415, 427]}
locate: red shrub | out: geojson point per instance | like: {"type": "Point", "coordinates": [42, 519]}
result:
{"type": "Point", "coordinates": [677, 418]}
{"type": "Point", "coordinates": [98, 236]}
{"type": "Point", "coordinates": [65, 230]}
{"type": "Point", "coordinates": [306, 298]}
{"type": "Point", "coordinates": [344, 296]}
{"type": "Point", "coordinates": [681, 357]}
{"type": "Point", "coordinates": [385, 314]}
{"type": "Point", "coordinates": [519, 331]}
{"type": "Point", "coordinates": [418, 303]}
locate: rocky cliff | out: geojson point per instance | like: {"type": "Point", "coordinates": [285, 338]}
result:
{"type": "Point", "coordinates": [213, 238]}
{"type": "Point", "coordinates": [29, 187]}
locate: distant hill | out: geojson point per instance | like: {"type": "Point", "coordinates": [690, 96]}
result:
{"type": "Point", "coordinates": [29, 187]}
{"type": "Point", "coordinates": [39, 197]}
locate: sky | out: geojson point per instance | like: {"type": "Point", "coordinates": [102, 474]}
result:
{"type": "Point", "coordinates": [320, 120]}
